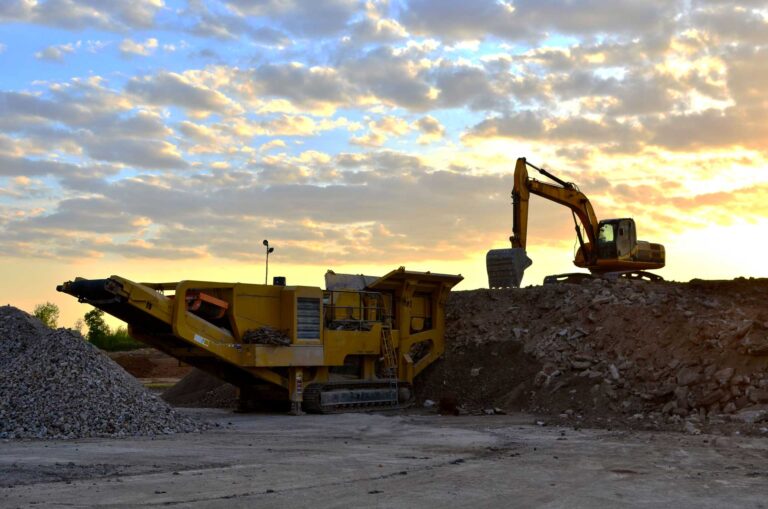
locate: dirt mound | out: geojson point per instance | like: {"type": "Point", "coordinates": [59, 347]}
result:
{"type": "Point", "coordinates": [201, 390]}
{"type": "Point", "coordinates": [653, 354]}
{"type": "Point", "coordinates": [150, 363]}
{"type": "Point", "coordinates": [54, 384]}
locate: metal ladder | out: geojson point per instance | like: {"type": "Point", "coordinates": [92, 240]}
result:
{"type": "Point", "coordinates": [389, 357]}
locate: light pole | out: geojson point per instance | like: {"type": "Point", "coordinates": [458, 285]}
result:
{"type": "Point", "coordinates": [269, 250]}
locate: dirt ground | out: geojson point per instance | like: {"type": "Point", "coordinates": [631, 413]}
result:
{"type": "Point", "coordinates": [396, 460]}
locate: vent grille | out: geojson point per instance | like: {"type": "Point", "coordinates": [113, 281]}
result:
{"type": "Point", "coordinates": [308, 320]}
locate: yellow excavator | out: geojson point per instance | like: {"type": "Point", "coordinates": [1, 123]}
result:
{"type": "Point", "coordinates": [610, 249]}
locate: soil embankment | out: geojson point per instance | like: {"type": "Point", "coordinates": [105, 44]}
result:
{"type": "Point", "coordinates": [625, 353]}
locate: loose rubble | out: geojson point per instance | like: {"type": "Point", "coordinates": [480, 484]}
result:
{"type": "Point", "coordinates": [54, 384]}
{"type": "Point", "coordinates": [201, 390]}
{"type": "Point", "coordinates": [266, 336]}
{"type": "Point", "coordinates": [628, 353]}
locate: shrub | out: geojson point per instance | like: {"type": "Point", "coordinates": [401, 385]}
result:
{"type": "Point", "coordinates": [102, 337]}
{"type": "Point", "coordinates": [47, 313]}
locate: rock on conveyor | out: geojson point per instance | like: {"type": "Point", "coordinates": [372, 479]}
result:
{"type": "Point", "coordinates": [53, 384]}
{"type": "Point", "coordinates": [653, 354]}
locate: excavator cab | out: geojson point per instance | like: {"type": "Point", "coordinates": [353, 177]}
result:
{"type": "Point", "coordinates": [616, 239]}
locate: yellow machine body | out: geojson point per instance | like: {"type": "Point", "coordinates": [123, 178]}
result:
{"type": "Point", "coordinates": [373, 340]}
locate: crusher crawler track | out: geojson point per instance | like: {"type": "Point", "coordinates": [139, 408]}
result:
{"type": "Point", "coordinates": [338, 397]}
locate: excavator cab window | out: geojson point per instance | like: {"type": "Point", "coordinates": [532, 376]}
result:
{"type": "Point", "coordinates": [625, 237]}
{"type": "Point", "coordinates": [606, 240]}
{"type": "Point", "coordinates": [606, 233]}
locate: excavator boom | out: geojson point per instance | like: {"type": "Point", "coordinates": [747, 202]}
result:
{"type": "Point", "coordinates": [566, 194]}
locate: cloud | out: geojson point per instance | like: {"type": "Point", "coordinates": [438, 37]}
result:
{"type": "Point", "coordinates": [458, 20]}
{"type": "Point", "coordinates": [370, 207]}
{"type": "Point", "coordinates": [380, 130]}
{"type": "Point", "coordinates": [431, 130]}
{"type": "Point", "coordinates": [226, 25]}
{"type": "Point", "coordinates": [391, 125]}
{"type": "Point", "coordinates": [169, 88]}
{"type": "Point", "coordinates": [20, 166]}
{"type": "Point", "coordinates": [84, 119]}
{"type": "Point", "coordinates": [316, 222]}
{"type": "Point", "coordinates": [130, 48]}
{"type": "Point", "coordinates": [306, 19]}
{"type": "Point", "coordinates": [142, 153]}
{"type": "Point", "coordinates": [272, 144]}
{"type": "Point", "coordinates": [733, 23]}
{"type": "Point", "coordinates": [197, 132]}
{"type": "Point", "coordinates": [319, 89]}
{"type": "Point", "coordinates": [378, 31]}
{"type": "Point", "coordinates": [526, 124]}
{"type": "Point", "coordinates": [75, 104]}
{"type": "Point", "coordinates": [372, 139]}
{"type": "Point", "coordinates": [393, 78]}
{"type": "Point", "coordinates": [463, 85]}
{"type": "Point", "coordinates": [82, 14]}
{"type": "Point", "coordinates": [606, 133]}
{"type": "Point", "coordinates": [55, 53]}
{"type": "Point", "coordinates": [376, 26]}
{"type": "Point", "coordinates": [297, 125]}
{"type": "Point", "coordinates": [711, 129]}
{"type": "Point", "coordinates": [595, 16]}
{"type": "Point", "coordinates": [23, 188]}
{"type": "Point", "coordinates": [92, 215]}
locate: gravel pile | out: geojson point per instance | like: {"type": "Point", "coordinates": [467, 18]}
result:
{"type": "Point", "coordinates": [53, 384]}
{"type": "Point", "coordinates": [647, 355]}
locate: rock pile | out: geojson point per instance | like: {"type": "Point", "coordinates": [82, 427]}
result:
{"type": "Point", "coordinates": [652, 353]}
{"type": "Point", "coordinates": [53, 384]}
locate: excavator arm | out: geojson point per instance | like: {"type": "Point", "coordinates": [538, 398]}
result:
{"type": "Point", "coordinates": [565, 194]}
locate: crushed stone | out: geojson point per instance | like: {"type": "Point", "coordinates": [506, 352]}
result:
{"type": "Point", "coordinates": [54, 384]}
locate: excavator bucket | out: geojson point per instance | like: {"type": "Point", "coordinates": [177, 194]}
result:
{"type": "Point", "coordinates": [506, 267]}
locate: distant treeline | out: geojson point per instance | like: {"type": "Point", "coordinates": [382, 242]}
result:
{"type": "Point", "coordinates": [99, 333]}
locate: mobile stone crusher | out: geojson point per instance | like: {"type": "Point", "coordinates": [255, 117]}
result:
{"type": "Point", "coordinates": [356, 345]}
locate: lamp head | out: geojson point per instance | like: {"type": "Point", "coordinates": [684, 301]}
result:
{"type": "Point", "coordinates": [265, 242]}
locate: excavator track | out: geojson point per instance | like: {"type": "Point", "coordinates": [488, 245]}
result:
{"type": "Point", "coordinates": [343, 397]}
{"type": "Point", "coordinates": [580, 277]}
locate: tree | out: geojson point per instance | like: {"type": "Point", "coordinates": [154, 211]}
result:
{"type": "Point", "coordinates": [98, 329]}
{"type": "Point", "coordinates": [47, 313]}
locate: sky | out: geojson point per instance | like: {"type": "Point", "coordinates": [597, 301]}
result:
{"type": "Point", "coordinates": [164, 140]}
